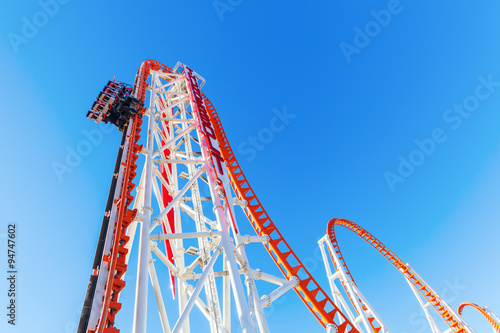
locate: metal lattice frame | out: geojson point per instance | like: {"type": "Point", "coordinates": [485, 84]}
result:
{"type": "Point", "coordinates": [365, 312]}
{"type": "Point", "coordinates": [175, 98]}
{"type": "Point", "coordinates": [182, 156]}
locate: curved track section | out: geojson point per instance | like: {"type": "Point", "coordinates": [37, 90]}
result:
{"type": "Point", "coordinates": [309, 291]}
{"type": "Point", "coordinates": [486, 315]}
{"type": "Point", "coordinates": [430, 295]}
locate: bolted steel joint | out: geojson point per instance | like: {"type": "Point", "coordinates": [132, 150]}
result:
{"type": "Point", "coordinates": [331, 328]}
{"type": "Point", "coordinates": [296, 279]}
{"type": "Point", "coordinates": [156, 221]}
{"type": "Point", "coordinates": [217, 206]}
{"type": "Point", "coordinates": [267, 301]}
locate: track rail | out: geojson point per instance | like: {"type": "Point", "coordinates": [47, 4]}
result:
{"type": "Point", "coordinates": [117, 207]}
{"type": "Point", "coordinates": [309, 291]}
{"type": "Point", "coordinates": [426, 291]}
{"type": "Point", "coordinates": [125, 216]}
{"type": "Point", "coordinates": [103, 236]}
{"type": "Point", "coordinates": [490, 319]}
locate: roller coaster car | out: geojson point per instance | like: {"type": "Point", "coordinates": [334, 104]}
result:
{"type": "Point", "coordinates": [95, 116]}
{"type": "Point", "coordinates": [100, 106]}
{"type": "Point", "coordinates": [107, 97]}
{"type": "Point", "coordinates": [115, 105]}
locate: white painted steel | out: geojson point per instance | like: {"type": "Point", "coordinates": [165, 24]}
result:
{"type": "Point", "coordinates": [259, 275]}
{"type": "Point", "coordinates": [159, 298]}
{"type": "Point", "coordinates": [359, 301]}
{"type": "Point", "coordinates": [211, 234]}
{"type": "Point", "coordinates": [336, 294]}
{"type": "Point", "coordinates": [266, 300]}
{"type": "Point", "coordinates": [196, 293]}
{"type": "Point", "coordinates": [255, 239]}
{"type": "Point", "coordinates": [175, 200]}
{"type": "Point", "coordinates": [141, 301]}
{"type": "Point", "coordinates": [459, 318]}
{"type": "Point", "coordinates": [424, 307]}
{"type": "Point", "coordinates": [226, 299]}
{"type": "Point", "coordinates": [330, 328]}
{"type": "Point", "coordinates": [492, 314]}
{"type": "Point", "coordinates": [176, 140]}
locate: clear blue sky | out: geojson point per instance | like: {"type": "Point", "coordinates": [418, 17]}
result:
{"type": "Point", "coordinates": [364, 99]}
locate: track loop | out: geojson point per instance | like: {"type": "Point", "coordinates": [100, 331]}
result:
{"type": "Point", "coordinates": [493, 322]}
{"type": "Point", "coordinates": [430, 295]}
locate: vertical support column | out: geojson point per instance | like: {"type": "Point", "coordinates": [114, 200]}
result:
{"type": "Point", "coordinates": [182, 294]}
{"type": "Point", "coordinates": [141, 292]}
{"type": "Point", "coordinates": [459, 319]}
{"type": "Point", "coordinates": [431, 321]}
{"type": "Point", "coordinates": [208, 145]}
{"type": "Point", "coordinates": [234, 275]}
{"type": "Point", "coordinates": [259, 312]}
{"type": "Point", "coordinates": [350, 288]}
{"type": "Point", "coordinates": [226, 296]}
{"type": "Point", "coordinates": [337, 296]}
{"type": "Point", "coordinates": [159, 298]}
{"type": "Point", "coordinates": [253, 296]}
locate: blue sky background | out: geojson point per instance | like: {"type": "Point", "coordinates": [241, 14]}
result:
{"type": "Point", "coordinates": [354, 117]}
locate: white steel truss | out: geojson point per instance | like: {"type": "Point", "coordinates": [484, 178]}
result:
{"type": "Point", "coordinates": [365, 312]}
{"type": "Point", "coordinates": [185, 189]}
{"type": "Point", "coordinates": [424, 304]}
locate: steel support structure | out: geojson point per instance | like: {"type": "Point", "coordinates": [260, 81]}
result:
{"type": "Point", "coordinates": [184, 210]}
{"type": "Point", "coordinates": [185, 202]}
{"type": "Point", "coordinates": [365, 312]}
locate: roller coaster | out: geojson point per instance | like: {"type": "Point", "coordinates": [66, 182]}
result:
{"type": "Point", "coordinates": [189, 189]}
